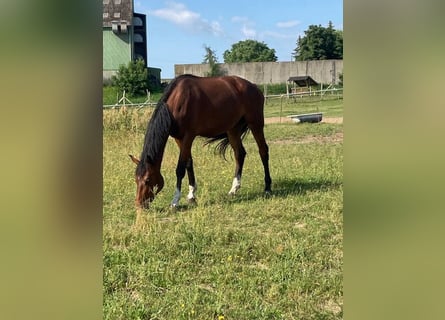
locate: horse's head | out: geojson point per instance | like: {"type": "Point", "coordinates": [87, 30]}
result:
{"type": "Point", "coordinates": [149, 182]}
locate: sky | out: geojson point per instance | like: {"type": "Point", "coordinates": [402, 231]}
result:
{"type": "Point", "coordinates": [177, 31]}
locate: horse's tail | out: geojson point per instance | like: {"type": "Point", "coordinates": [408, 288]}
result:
{"type": "Point", "coordinates": [223, 139]}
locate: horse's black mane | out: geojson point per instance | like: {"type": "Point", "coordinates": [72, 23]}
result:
{"type": "Point", "coordinates": [158, 129]}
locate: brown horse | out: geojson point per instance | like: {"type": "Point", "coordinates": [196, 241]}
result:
{"type": "Point", "coordinates": [221, 109]}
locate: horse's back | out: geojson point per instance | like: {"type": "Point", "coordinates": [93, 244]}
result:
{"type": "Point", "coordinates": [212, 105]}
{"type": "Point", "coordinates": [225, 89]}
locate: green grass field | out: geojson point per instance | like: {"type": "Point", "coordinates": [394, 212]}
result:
{"type": "Point", "coordinates": [330, 106]}
{"type": "Point", "coordinates": [242, 257]}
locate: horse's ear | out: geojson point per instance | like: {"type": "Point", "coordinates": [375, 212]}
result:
{"type": "Point", "coordinates": [134, 159]}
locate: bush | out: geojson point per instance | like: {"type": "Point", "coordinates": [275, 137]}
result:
{"type": "Point", "coordinates": [132, 78]}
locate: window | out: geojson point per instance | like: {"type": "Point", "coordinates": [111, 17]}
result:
{"type": "Point", "coordinates": [137, 21]}
{"type": "Point", "coordinates": [105, 15]}
{"type": "Point", "coordinates": [138, 38]}
{"type": "Point", "coordinates": [117, 14]}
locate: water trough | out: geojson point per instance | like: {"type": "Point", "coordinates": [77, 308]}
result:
{"type": "Point", "coordinates": [307, 117]}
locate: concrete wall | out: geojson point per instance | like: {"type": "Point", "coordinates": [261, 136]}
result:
{"type": "Point", "coordinates": [322, 71]}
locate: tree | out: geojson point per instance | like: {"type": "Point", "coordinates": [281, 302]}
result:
{"type": "Point", "coordinates": [320, 43]}
{"type": "Point", "coordinates": [249, 51]}
{"type": "Point", "coordinates": [212, 60]}
{"type": "Point", "coordinates": [132, 78]}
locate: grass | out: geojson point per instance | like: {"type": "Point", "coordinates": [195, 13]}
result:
{"type": "Point", "coordinates": [242, 257]}
{"type": "Point", "coordinates": [330, 106]}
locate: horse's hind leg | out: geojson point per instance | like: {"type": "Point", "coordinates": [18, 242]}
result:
{"type": "Point", "coordinates": [263, 149]}
{"type": "Point", "coordinates": [240, 154]}
{"type": "Point", "coordinates": [192, 182]}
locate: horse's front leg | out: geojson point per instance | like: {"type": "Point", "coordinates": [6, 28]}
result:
{"type": "Point", "coordinates": [180, 173]}
{"type": "Point", "coordinates": [185, 163]}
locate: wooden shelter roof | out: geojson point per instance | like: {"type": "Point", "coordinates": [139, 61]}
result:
{"type": "Point", "coordinates": [303, 81]}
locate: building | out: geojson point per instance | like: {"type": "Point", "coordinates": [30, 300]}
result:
{"type": "Point", "coordinates": [124, 35]}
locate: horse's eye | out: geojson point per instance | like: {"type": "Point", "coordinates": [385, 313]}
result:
{"type": "Point", "coordinates": [146, 181]}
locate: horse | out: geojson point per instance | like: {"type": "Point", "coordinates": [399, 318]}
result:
{"type": "Point", "coordinates": [221, 109]}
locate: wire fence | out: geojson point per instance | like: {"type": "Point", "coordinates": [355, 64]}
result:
{"type": "Point", "coordinates": [295, 97]}
{"type": "Point", "coordinates": [313, 95]}
{"type": "Point", "coordinates": [125, 102]}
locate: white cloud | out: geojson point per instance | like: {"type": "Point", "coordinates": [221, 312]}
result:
{"type": "Point", "coordinates": [247, 26]}
{"type": "Point", "coordinates": [248, 32]}
{"type": "Point", "coordinates": [178, 14]}
{"type": "Point", "coordinates": [288, 24]}
{"type": "Point", "coordinates": [216, 28]}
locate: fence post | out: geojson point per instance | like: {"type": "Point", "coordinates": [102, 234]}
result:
{"type": "Point", "coordinates": [265, 93]}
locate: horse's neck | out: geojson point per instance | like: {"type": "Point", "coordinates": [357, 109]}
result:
{"type": "Point", "coordinates": [154, 153]}
{"type": "Point", "coordinates": [156, 159]}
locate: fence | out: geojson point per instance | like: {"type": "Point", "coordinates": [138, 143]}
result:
{"type": "Point", "coordinates": [338, 92]}
{"type": "Point", "coordinates": [125, 102]}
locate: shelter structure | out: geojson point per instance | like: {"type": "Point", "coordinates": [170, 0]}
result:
{"type": "Point", "coordinates": [300, 84]}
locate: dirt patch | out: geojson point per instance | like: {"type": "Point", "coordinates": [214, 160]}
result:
{"type": "Point", "coordinates": [337, 120]}
{"type": "Point", "coordinates": [333, 120]}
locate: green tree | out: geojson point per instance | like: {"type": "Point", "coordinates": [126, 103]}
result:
{"type": "Point", "coordinates": [320, 43]}
{"type": "Point", "coordinates": [133, 78]}
{"type": "Point", "coordinates": [212, 60]}
{"type": "Point", "coordinates": [249, 51]}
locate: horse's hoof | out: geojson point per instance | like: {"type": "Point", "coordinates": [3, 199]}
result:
{"type": "Point", "coordinates": [268, 193]}
{"type": "Point", "coordinates": [192, 201]}
{"type": "Point", "coordinates": [173, 207]}
{"type": "Point", "coordinates": [233, 193]}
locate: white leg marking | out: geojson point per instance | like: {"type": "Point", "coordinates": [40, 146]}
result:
{"type": "Point", "coordinates": [191, 194]}
{"type": "Point", "coordinates": [236, 184]}
{"type": "Point", "coordinates": [176, 198]}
